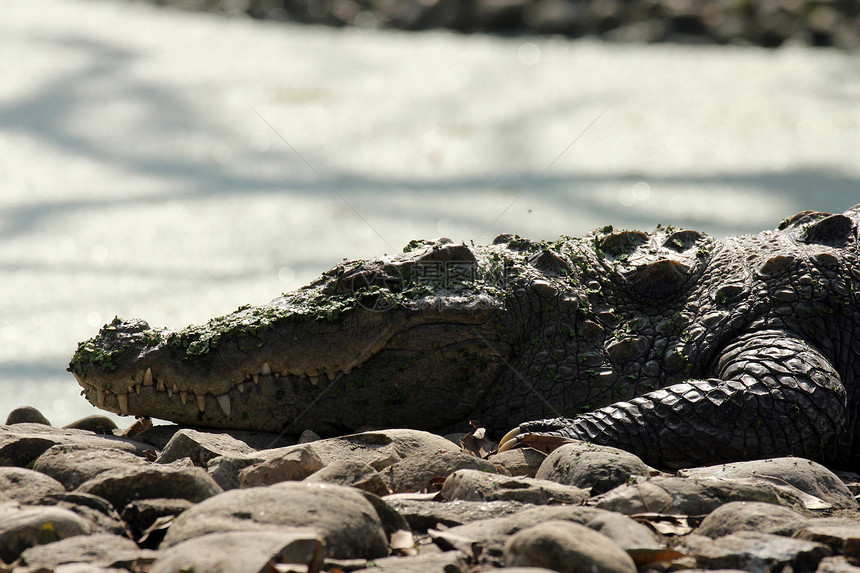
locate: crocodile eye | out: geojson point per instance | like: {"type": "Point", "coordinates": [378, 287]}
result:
{"type": "Point", "coordinates": [802, 218]}
{"type": "Point", "coordinates": [622, 242]}
{"type": "Point", "coordinates": [681, 241]}
{"type": "Point", "coordinates": [832, 230]}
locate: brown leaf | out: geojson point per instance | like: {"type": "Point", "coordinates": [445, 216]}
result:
{"type": "Point", "coordinates": [649, 556]}
{"type": "Point", "coordinates": [140, 425]}
{"type": "Point", "coordinates": [435, 483]}
{"type": "Point", "coordinates": [476, 443]}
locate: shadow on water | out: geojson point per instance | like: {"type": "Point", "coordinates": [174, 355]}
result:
{"type": "Point", "coordinates": [49, 115]}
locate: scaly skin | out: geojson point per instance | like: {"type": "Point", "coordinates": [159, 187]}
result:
{"type": "Point", "coordinates": [680, 348]}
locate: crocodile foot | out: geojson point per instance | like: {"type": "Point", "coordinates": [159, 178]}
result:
{"type": "Point", "coordinates": [551, 432]}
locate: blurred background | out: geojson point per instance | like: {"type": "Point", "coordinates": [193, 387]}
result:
{"type": "Point", "coordinates": [175, 162]}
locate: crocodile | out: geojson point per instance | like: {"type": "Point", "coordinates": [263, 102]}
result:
{"type": "Point", "coordinates": [674, 345]}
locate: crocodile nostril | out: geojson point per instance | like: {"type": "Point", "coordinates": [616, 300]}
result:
{"type": "Point", "coordinates": [622, 242]}
{"type": "Point", "coordinates": [659, 278]}
{"type": "Point", "coordinates": [447, 252]}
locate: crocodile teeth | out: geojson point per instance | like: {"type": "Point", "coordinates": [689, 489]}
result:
{"type": "Point", "coordinates": [122, 399]}
{"type": "Point", "coordinates": [170, 393]}
{"type": "Point", "coordinates": [161, 387]}
{"type": "Point", "coordinates": [314, 380]}
{"type": "Point", "coordinates": [256, 378]}
{"type": "Point", "coordinates": [240, 387]}
{"type": "Point", "coordinates": [223, 401]}
{"type": "Point", "coordinates": [183, 396]}
{"type": "Point", "coordinates": [331, 374]}
{"type": "Point", "coordinates": [265, 369]}
{"type": "Point", "coordinates": [175, 388]}
{"type": "Point", "coordinates": [147, 377]}
{"type": "Point", "coordinates": [137, 388]}
{"type": "Point", "coordinates": [100, 398]}
{"type": "Point", "coordinates": [201, 402]}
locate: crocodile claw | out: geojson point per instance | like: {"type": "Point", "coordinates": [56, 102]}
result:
{"type": "Point", "coordinates": [510, 440]}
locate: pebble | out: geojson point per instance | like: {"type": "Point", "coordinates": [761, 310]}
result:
{"type": "Point", "coordinates": [348, 524]}
{"type": "Point", "coordinates": [568, 548]}
{"type": "Point", "coordinates": [242, 551]}
{"type": "Point", "coordinates": [807, 476]}
{"type": "Point", "coordinates": [473, 485]}
{"type": "Point", "coordinates": [19, 484]}
{"type": "Point", "coordinates": [751, 516]}
{"type": "Point", "coordinates": [758, 552]}
{"type": "Point", "coordinates": [27, 414]}
{"type": "Point", "coordinates": [171, 499]}
{"type": "Point", "coordinates": [585, 465]}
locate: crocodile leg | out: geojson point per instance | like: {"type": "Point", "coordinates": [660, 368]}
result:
{"type": "Point", "coordinates": [774, 395]}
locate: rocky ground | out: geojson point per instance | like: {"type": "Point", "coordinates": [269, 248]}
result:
{"type": "Point", "coordinates": [767, 23]}
{"type": "Point", "coordinates": [87, 498]}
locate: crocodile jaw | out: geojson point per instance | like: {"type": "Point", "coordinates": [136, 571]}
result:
{"type": "Point", "coordinates": [130, 368]}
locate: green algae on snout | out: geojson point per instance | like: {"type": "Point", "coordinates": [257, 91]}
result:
{"type": "Point", "coordinates": [105, 349]}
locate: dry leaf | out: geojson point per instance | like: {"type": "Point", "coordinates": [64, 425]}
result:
{"type": "Point", "coordinates": [140, 425]}
{"type": "Point", "coordinates": [649, 556]}
{"type": "Point", "coordinates": [476, 443]}
{"type": "Point", "coordinates": [435, 483]}
{"type": "Point", "coordinates": [449, 541]}
{"type": "Point", "coordinates": [664, 523]}
{"type": "Point", "coordinates": [157, 530]}
{"type": "Point", "coordinates": [403, 543]}
{"type": "Point", "coordinates": [809, 501]}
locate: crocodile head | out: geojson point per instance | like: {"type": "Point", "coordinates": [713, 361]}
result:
{"type": "Point", "coordinates": [409, 339]}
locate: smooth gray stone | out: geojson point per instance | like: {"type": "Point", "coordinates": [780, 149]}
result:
{"type": "Point", "coordinates": [585, 465]}
{"type": "Point", "coordinates": [123, 485]}
{"type": "Point", "coordinates": [100, 549]}
{"type": "Point", "coordinates": [19, 484]}
{"type": "Point", "coordinates": [415, 472]}
{"type": "Point", "coordinates": [472, 485]}
{"type": "Point", "coordinates": [678, 495]}
{"type": "Point", "coordinates": [807, 476]}
{"type": "Point", "coordinates": [242, 551]}
{"type": "Point", "coordinates": [759, 553]}
{"type": "Point", "coordinates": [26, 414]}
{"type": "Point", "coordinates": [72, 465]}
{"type": "Point", "coordinates": [751, 516]}
{"type": "Point", "coordinates": [201, 447]}
{"type": "Point", "coordinates": [26, 526]}
{"type": "Point", "coordinates": [348, 523]}
{"type": "Point", "coordinates": [566, 547]}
